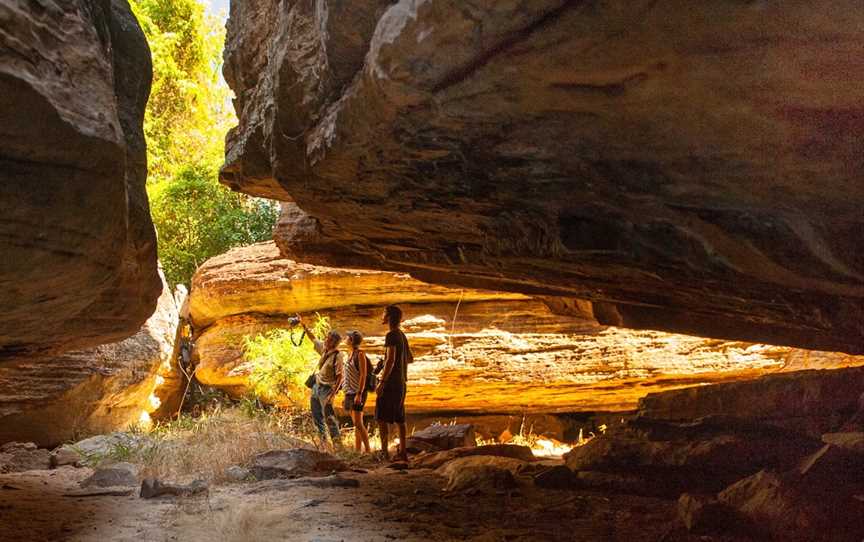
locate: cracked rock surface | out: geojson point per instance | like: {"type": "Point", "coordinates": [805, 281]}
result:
{"type": "Point", "coordinates": [689, 168]}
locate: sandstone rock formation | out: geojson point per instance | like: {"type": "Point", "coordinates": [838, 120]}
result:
{"type": "Point", "coordinates": [78, 264]}
{"type": "Point", "coordinates": [504, 353]}
{"type": "Point", "coordinates": [811, 402]}
{"type": "Point", "coordinates": [54, 399]}
{"type": "Point", "coordinates": [690, 167]}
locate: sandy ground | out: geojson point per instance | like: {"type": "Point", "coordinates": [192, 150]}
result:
{"type": "Point", "coordinates": [388, 505]}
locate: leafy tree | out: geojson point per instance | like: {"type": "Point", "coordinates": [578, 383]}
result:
{"type": "Point", "coordinates": [197, 218]}
{"type": "Point", "coordinates": [189, 110]}
{"type": "Point", "coordinates": [279, 367]}
{"type": "Point", "coordinates": [185, 123]}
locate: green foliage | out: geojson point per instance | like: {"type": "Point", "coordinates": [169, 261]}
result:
{"type": "Point", "coordinates": [198, 218]}
{"type": "Point", "coordinates": [279, 368]}
{"type": "Point", "coordinates": [189, 109]}
{"type": "Point", "coordinates": [185, 123]}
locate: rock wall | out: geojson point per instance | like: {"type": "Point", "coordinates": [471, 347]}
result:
{"type": "Point", "coordinates": [692, 167]}
{"type": "Point", "coordinates": [55, 399]}
{"type": "Point", "coordinates": [78, 246]}
{"type": "Point", "coordinates": [503, 354]}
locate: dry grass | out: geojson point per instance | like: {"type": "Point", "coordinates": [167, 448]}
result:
{"type": "Point", "coordinates": [205, 446]}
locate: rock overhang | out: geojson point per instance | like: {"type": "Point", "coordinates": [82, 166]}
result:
{"type": "Point", "coordinates": [690, 168]}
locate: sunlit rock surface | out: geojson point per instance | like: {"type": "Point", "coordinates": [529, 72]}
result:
{"type": "Point", "coordinates": [491, 353]}
{"type": "Point", "coordinates": [78, 265]}
{"type": "Point", "coordinates": [694, 166]}
{"type": "Point", "coordinates": [54, 399]}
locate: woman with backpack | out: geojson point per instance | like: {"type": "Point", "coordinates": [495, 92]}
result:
{"type": "Point", "coordinates": [358, 378]}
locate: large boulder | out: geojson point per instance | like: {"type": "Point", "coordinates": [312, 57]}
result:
{"type": "Point", "coordinates": [690, 167]}
{"type": "Point", "coordinates": [476, 351]}
{"type": "Point", "coordinates": [294, 463]}
{"type": "Point", "coordinates": [706, 455]}
{"type": "Point", "coordinates": [812, 402]}
{"type": "Point", "coordinates": [78, 245]}
{"type": "Point", "coordinates": [55, 399]}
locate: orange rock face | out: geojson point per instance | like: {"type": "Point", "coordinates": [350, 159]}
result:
{"type": "Point", "coordinates": [489, 353]}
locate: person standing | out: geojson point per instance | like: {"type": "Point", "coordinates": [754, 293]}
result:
{"type": "Point", "coordinates": [356, 371]}
{"type": "Point", "coordinates": [390, 400]}
{"type": "Point", "coordinates": [328, 380]}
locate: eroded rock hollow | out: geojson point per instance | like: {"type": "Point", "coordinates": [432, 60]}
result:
{"type": "Point", "coordinates": [476, 351]}
{"type": "Point", "coordinates": [687, 167]}
{"type": "Point", "coordinates": [78, 265]}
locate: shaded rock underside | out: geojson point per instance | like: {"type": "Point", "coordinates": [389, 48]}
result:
{"type": "Point", "coordinates": [691, 168]}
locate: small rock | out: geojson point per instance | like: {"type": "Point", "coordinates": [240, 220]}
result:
{"type": "Point", "coordinates": [236, 473]}
{"type": "Point", "coordinates": [442, 437]}
{"type": "Point", "coordinates": [559, 477]}
{"type": "Point", "coordinates": [151, 488]}
{"type": "Point", "coordinates": [65, 456]}
{"type": "Point", "coordinates": [23, 456]}
{"type": "Point", "coordinates": [294, 463]}
{"type": "Point", "coordinates": [117, 475]}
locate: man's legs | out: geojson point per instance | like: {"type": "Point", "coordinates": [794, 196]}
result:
{"type": "Point", "coordinates": [317, 412]}
{"type": "Point", "coordinates": [384, 430]}
{"type": "Point", "coordinates": [332, 421]}
{"type": "Point", "coordinates": [402, 453]}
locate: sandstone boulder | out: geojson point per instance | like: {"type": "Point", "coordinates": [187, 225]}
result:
{"type": "Point", "coordinates": [438, 437]}
{"type": "Point", "coordinates": [789, 507]}
{"type": "Point", "coordinates": [117, 475]}
{"type": "Point", "coordinates": [705, 455]}
{"type": "Point", "coordinates": [450, 142]}
{"type": "Point", "coordinates": [437, 459]}
{"type": "Point", "coordinates": [110, 387]}
{"type": "Point", "coordinates": [811, 402]}
{"type": "Point", "coordinates": [23, 456]}
{"type": "Point", "coordinates": [78, 245]}
{"type": "Point", "coordinates": [481, 473]}
{"type": "Point", "coordinates": [294, 463]}
{"type": "Point", "coordinates": [152, 488]}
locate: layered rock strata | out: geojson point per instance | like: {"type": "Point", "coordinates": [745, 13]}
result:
{"type": "Point", "coordinates": [78, 246]}
{"type": "Point", "coordinates": [55, 399]}
{"type": "Point", "coordinates": [488, 353]}
{"type": "Point", "coordinates": [693, 168]}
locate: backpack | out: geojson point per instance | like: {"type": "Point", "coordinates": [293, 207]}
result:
{"type": "Point", "coordinates": [371, 381]}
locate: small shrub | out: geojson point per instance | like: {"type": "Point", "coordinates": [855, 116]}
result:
{"type": "Point", "coordinates": [279, 367]}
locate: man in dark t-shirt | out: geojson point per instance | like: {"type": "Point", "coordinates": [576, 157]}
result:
{"type": "Point", "coordinates": [390, 400]}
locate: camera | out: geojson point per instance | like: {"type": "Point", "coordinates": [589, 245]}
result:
{"type": "Point", "coordinates": [294, 321]}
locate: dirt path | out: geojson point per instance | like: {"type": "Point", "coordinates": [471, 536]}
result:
{"type": "Point", "coordinates": [387, 505]}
